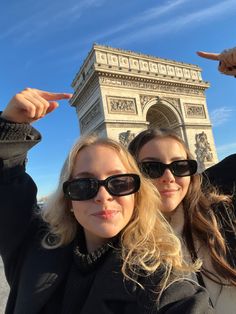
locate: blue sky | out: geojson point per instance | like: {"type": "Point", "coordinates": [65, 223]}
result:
{"type": "Point", "coordinates": [43, 44]}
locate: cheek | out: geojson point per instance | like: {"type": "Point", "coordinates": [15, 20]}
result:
{"type": "Point", "coordinates": [184, 182]}
{"type": "Point", "coordinates": [78, 210]}
{"type": "Point", "coordinates": [127, 203]}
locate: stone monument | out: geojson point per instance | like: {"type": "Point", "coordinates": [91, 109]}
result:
{"type": "Point", "coordinates": [119, 93]}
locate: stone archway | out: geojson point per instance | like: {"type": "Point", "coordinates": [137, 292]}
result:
{"type": "Point", "coordinates": [161, 113]}
{"type": "Point", "coordinates": [158, 119]}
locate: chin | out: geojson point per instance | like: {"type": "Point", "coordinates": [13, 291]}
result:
{"type": "Point", "coordinates": [169, 208]}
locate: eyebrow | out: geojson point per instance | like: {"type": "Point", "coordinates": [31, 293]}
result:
{"type": "Point", "coordinates": [86, 174]}
{"type": "Point", "coordinates": [157, 159]}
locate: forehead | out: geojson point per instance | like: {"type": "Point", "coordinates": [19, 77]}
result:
{"type": "Point", "coordinates": [98, 159]}
{"type": "Point", "coordinates": [159, 148]}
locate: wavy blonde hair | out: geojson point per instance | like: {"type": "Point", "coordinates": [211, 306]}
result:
{"type": "Point", "coordinates": [147, 241]}
{"type": "Point", "coordinates": [202, 211]}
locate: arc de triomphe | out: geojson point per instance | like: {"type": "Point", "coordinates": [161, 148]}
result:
{"type": "Point", "coordinates": [119, 93]}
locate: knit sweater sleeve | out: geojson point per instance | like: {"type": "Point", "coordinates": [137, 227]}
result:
{"type": "Point", "coordinates": [15, 140]}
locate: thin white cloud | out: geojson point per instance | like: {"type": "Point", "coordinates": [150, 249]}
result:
{"type": "Point", "coordinates": [220, 116]}
{"type": "Point", "coordinates": [213, 12]}
{"type": "Point", "coordinates": [48, 15]}
{"type": "Point", "coordinates": [144, 17]}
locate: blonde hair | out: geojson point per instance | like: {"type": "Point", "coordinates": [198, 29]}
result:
{"type": "Point", "coordinates": [147, 242]}
{"type": "Point", "coordinates": [201, 210]}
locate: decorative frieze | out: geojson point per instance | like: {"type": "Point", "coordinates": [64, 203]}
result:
{"type": "Point", "coordinates": [168, 88]}
{"type": "Point", "coordinates": [121, 105]}
{"type": "Point", "coordinates": [90, 116]}
{"type": "Point", "coordinates": [195, 111]}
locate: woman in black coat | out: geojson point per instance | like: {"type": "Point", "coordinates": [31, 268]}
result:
{"type": "Point", "coordinates": [100, 245]}
{"type": "Point", "coordinates": [203, 219]}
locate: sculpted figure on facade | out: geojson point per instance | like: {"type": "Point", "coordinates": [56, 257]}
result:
{"type": "Point", "coordinates": [203, 150]}
{"type": "Point", "coordinates": [126, 137]}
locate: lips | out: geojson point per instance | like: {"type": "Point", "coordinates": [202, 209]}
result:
{"type": "Point", "coordinates": [168, 192]}
{"type": "Point", "coordinates": [106, 214]}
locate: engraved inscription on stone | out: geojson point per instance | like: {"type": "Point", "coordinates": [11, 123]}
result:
{"type": "Point", "coordinates": [92, 115]}
{"type": "Point", "coordinates": [195, 111]}
{"type": "Point", "coordinates": [121, 105]}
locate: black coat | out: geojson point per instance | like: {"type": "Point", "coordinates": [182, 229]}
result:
{"type": "Point", "coordinates": [223, 174]}
{"type": "Point", "coordinates": [34, 273]}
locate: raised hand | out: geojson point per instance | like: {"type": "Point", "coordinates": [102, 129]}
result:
{"type": "Point", "coordinates": [227, 60]}
{"type": "Point", "coordinates": [31, 105]}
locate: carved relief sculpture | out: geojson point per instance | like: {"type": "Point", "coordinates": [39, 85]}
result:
{"type": "Point", "coordinates": [121, 105]}
{"type": "Point", "coordinates": [126, 137]}
{"type": "Point", "coordinates": [195, 111]}
{"type": "Point", "coordinates": [203, 150]}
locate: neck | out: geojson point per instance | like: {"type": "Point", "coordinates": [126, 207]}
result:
{"type": "Point", "coordinates": [93, 242]}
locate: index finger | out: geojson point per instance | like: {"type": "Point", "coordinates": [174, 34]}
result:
{"type": "Point", "coordinates": [53, 96]}
{"type": "Point", "coordinates": [209, 55]}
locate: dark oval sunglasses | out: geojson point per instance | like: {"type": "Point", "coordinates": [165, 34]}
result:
{"type": "Point", "coordinates": [179, 168]}
{"type": "Point", "coordinates": [83, 189]}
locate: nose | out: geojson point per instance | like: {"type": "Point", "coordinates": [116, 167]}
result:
{"type": "Point", "coordinates": [102, 195]}
{"type": "Point", "coordinates": [167, 176]}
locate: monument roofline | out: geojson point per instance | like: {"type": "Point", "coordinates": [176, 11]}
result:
{"type": "Point", "coordinates": [114, 60]}
{"type": "Point", "coordinates": [140, 55]}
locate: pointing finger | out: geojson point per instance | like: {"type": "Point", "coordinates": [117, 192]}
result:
{"type": "Point", "coordinates": [209, 55]}
{"type": "Point", "coordinates": [53, 96]}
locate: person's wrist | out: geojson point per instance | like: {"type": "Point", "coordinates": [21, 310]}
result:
{"type": "Point", "coordinates": [4, 117]}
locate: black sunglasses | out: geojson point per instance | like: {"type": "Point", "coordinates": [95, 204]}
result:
{"type": "Point", "coordinates": [83, 189]}
{"type": "Point", "coordinates": [179, 168]}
